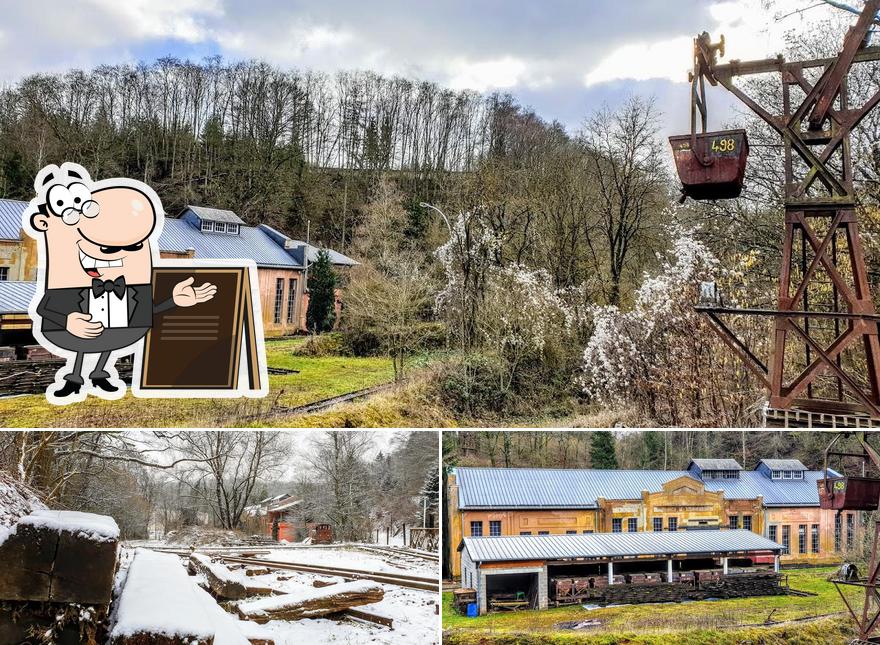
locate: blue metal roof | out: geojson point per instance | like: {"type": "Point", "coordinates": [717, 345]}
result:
{"type": "Point", "coordinates": [250, 243]}
{"type": "Point", "coordinates": [296, 248]}
{"type": "Point", "coordinates": [15, 297]}
{"type": "Point", "coordinates": [513, 488]}
{"type": "Point", "coordinates": [554, 488]}
{"type": "Point", "coordinates": [615, 545]}
{"type": "Point", "coordinates": [178, 235]}
{"type": "Point", "coordinates": [11, 211]}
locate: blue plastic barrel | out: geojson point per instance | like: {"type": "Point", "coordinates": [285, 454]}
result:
{"type": "Point", "coordinates": [472, 611]}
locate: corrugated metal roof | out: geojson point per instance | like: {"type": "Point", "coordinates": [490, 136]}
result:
{"type": "Point", "coordinates": [15, 297]}
{"type": "Point", "coordinates": [783, 464]}
{"type": "Point", "coordinates": [296, 246]}
{"type": "Point", "coordinates": [11, 211]}
{"type": "Point", "coordinates": [216, 214]}
{"type": "Point", "coordinates": [250, 243]}
{"type": "Point", "coordinates": [177, 235]}
{"type": "Point", "coordinates": [716, 464]}
{"type": "Point", "coordinates": [554, 488]}
{"type": "Point", "coordinates": [600, 545]}
{"type": "Point", "coordinates": [560, 488]}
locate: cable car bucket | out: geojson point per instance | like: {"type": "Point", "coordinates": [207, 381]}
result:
{"type": "Point", "coordinates": [710, 165]}
{"type": "Point", "coordinates": [840, 492]}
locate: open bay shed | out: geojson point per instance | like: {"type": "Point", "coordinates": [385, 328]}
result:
{"type": "Point", "coordinates": [523, 571]}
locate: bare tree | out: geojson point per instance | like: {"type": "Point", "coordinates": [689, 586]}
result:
{"type": "Point", "coordinates": [227, 466]}
{"type": "Point", "coordinates": [626, 157]}
{"type": "Point", "coordinates": [338, 459]}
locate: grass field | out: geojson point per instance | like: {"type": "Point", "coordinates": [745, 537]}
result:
{"type": "Point", "coordinates": [694, 623]}
{"type": "Point", "coordinates": [319, 377]}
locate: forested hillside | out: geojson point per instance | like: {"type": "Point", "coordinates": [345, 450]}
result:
{"type": "Point", "coordinates": [630, 449]}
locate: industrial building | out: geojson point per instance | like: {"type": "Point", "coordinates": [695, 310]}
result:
{"type": "Point", "coordinates": [777, 500]}
{"type": "Point", "coordinates": [534, 571]}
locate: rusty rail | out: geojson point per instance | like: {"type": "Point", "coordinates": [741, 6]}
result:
{"type": "Point", "coordinates": [400, 580]}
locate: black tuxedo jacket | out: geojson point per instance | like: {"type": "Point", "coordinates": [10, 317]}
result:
{"type": "Point", "coordinates": [57, 304]}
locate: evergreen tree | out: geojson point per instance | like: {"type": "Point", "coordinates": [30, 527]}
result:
{"type": "Point", "coordinates": [652, 451]}
{"type": "Point", "coordinates": [602, 454]}
{"type": "Point", "coordinates": [322, 294]}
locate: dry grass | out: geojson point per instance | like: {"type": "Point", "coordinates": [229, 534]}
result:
{"type": "Point", "coordinates": [704, 622]}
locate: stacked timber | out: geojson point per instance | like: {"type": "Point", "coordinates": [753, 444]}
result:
{"type": "Point", "coordinates": [311, 602]}
{"type": "Point", "coordinates": [33, 377]}
{"type": "Point", "coordinates": [652, 588]}
{"type": "Point", "coordinates": [223, 583]}
{"type": "Point", "coordinates": [159, 605]}
{"type": "Point", "coordinates": [56, 575]}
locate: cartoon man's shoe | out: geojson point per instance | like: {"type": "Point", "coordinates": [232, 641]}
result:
{"type": "Point", "coordinates": [105, 384]}
{"type": "Point", "coordinates": [69, 388]}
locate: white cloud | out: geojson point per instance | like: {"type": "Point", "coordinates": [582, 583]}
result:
{"type": "Point", "coordinates": [181, 19]}
{"type": "Point", "coordinates": [486, 75]}
{"type": "Point", "coordinates": [750, 32]}
{"type": "Point", "coordinates": [668, 59]}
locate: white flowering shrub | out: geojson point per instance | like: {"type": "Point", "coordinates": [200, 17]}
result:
{"type": "Point", "coordinates": [506, 320]}
{"type": "Point", "coordinates": [522, 314]}
{"type": "Point", "coordinates": [648, 354]}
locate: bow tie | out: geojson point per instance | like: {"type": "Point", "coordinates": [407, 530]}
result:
{"type": "Point", "coordinates": [117, 286]}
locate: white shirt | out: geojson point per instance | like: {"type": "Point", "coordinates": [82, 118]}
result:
{"type": "Point", "coordinates": [108, 309]}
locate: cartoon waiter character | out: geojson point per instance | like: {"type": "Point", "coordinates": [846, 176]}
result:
{"type": "Point", "coordinates": [96, 244]}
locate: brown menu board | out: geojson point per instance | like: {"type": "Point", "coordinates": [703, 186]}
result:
{"type": "Point", "coordinates": [200, 347]}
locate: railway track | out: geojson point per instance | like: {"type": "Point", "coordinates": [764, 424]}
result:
{"type": "Point", "coordinates": [400, 580]}
{"type": "Point", "coordinates": [405, 553]}
{"type": "Point", "coordinates": [318, 406]}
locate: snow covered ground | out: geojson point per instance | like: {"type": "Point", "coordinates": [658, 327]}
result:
{"type": "Point", "coordinates": [354, 558]}
{"type": "Point", "coordinates": [413, 611]}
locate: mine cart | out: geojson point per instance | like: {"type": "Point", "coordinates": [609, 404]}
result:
{"type": "Point", "coordinates": [322, 534]}
{"type": "Point", "coordinates": [849, 493]}
{"type": "Point", "coordinates": [711, 165]}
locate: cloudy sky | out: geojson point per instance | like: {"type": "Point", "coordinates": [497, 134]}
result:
{"type": "Point", "coordinates": [564, 58]}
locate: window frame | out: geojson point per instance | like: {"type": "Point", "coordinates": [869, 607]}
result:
{"type": "Point", "coordinates": [632, 525]}
{"type": "Point", "coordinates": [219, 227]}
{"type": "Point", "coordinates": [838, 532]}
{"type": "Point", "coordinates": [815, 539]}
{"type": "Point", "coordinates": [232, 229]}
{"type": "Point", "coordinates": [206, 226]}
{"type": "Point", "coordinates": [292, 284]}
{"type": "Point", "coordinates": [672, 523]}
{"type": "Point", "coordinates": [747, 519]}
{"type": "Point", "coordinates": [477, 524]}
{"type": "Point", "coordinates": [802, 538]}
{"type": "Point", "coordinates": [733, 522]}
{"type": "Point", "coordinates": [4, 274]}
{"type": "Point", "coordinates": [657, 525]}
{"type": "Point", "coordinates": [493, 524]}
{"type": "Point", "coordinates": [773, 533]}
{"type": "Point", "coordinates": [279, 301]}
{"type": "Point", "coordinates": [786, 539]}
{"type": "Point", "coordinates": [617, 525]}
